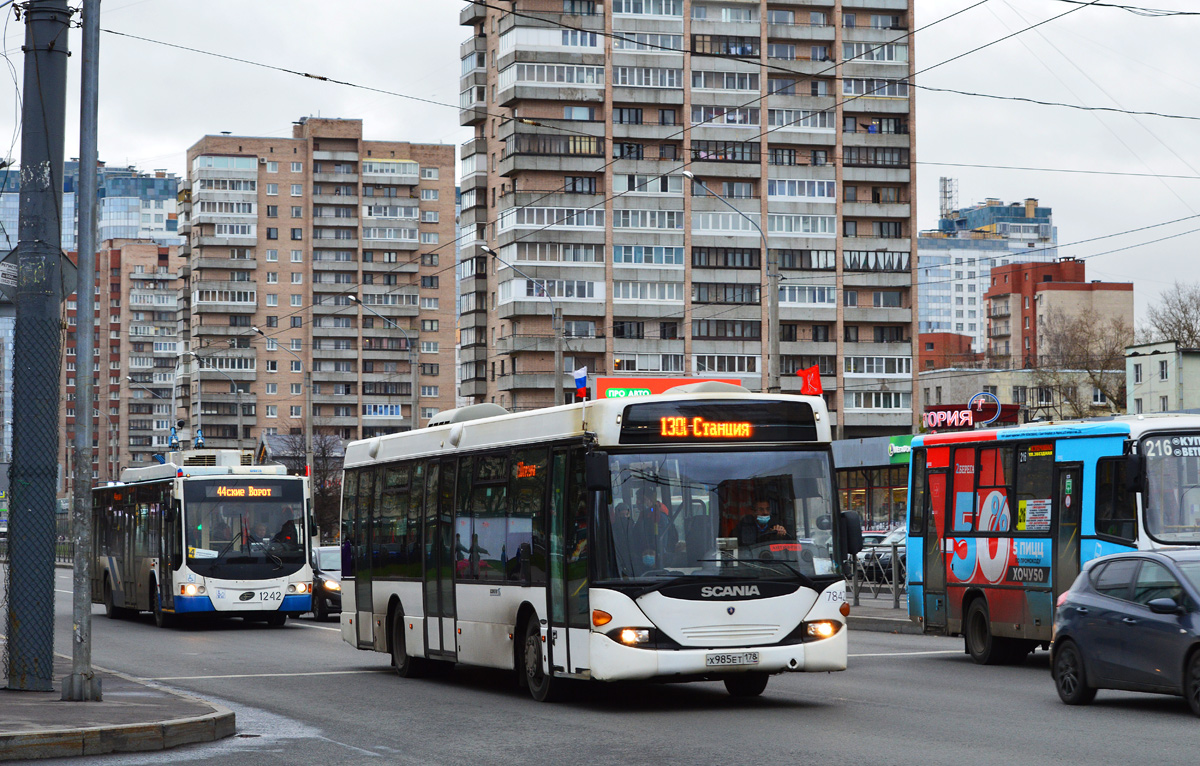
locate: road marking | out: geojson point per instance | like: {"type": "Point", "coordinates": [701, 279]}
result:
{"type": "Point", "coordinates": [906, 654]}
{"type": "Point", "coordinates": [269, 675]}
{"type": "Point", "coordinates": [56, 590]}
{"type": "Point", "coordinates": [314, 627]}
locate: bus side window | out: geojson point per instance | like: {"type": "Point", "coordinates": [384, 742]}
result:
{"type": "Point", "coordinates": [964, 489]}
{"type": "Point", "coordinates": [916, 503]}
{"type": "Point", "coordinates": [527, 489]}
{"type": "Point", "coordinates": [349, 520]}
{"type": "Point", "coordinates": [1116, 510]}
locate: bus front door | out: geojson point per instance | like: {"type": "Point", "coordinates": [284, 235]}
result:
{"type": "Point", "coordinates": [935, 557]}
{"type": "Point", "coordinates": [1068, 484]}
{"type": "Point", "coordinates": [439, 560]}
{"type": "Point", "coordinates": [362, 559]}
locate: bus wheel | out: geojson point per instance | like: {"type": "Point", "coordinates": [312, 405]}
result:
{"type": "Point", "coordinates": [111, 611]}
{"type": "Point", "coordinates": [161, 619]}
{"type": "Point", "coordinates": [746, 684]}
{"type": "Point", "coordinates": [406, 666]}
{"type": "Point", "coordinates": [983, 647]}
{"type": "Point", "coordinates": [542, 687]}
{"type": "Point", "coordinates": [276, 620]}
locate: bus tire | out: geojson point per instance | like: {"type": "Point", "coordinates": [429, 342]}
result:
{"type": "Point", "coordinates": [746, 684]}
{"type": "Point", "coordinates": [983, 647]}
{"type": "Point", "coordinates": [161, 619]}
{"type": "Point", "coordinates": [276, 619]}
{"type": "Point", "coordinates": [543, 687]}
{"type": "Point", "coordinates": [406, 666]}
{"type": "Point", "coordinates": [111, 610]}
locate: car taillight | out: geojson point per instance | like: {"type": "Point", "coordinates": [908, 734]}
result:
{"type": "Point", "coordinates": [1062, 599]}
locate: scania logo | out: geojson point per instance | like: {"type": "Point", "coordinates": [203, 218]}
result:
{"type": "Point", "coordinates": [247, 595]}
{"type": "Point", "coordinates": [719, 591]}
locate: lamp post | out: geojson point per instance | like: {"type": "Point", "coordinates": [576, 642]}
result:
{"type": "Point", "coordinates": [308, 405]}
{"type": "Point", "coordinates": [236, 389]}
{"type": "Point", "coordinates": [773, 358]}
{"type": "Point", "coordinates": [112, 467]}
{"type": "Point", "coordinates": [414, 356]}
{"type": "Point", "coordinates": [556, 322]}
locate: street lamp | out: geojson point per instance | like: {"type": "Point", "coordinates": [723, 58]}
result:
{"type": "Point", "coordinates": [773, 358]}
{"type": "Point", "coordinates": [556, 322]}
{"type": "Point", "coordinates": [236, 389]}
{"type": "Point", "coordinates": [308, 405]}
{"type": "Point", "coordinates": [414, 357]}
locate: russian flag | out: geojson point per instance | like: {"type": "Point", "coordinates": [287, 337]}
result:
{"type": "Point", "coordinates": [581, 382]}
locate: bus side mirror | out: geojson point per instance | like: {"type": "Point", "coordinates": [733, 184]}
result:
{"type": "Point", "coordinates": [852, 531]}
{"type": "Point", "coordinates": [1133, 473]}
{"type": "Point", "coordinates": [595, 468]}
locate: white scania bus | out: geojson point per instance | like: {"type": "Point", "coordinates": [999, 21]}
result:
{"type": "Point", "coordinates": [687, 536]}
{"type": "Point", "coordinates": [204, 533]}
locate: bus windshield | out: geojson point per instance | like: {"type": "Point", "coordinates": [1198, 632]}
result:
{"type": "Point", "coordinates": [244, 528]}
{"type": "Point", "coordinates": [1172, 511]}
{"type": "Point", "coordinates": [752, 514]}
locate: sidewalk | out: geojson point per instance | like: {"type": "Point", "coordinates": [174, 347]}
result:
{"type": "Point", "coordinates": [133, 716]}
{"type": "Point", "coordinates": [877, 614]}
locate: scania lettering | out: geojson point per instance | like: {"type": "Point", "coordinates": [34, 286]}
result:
{"type": "Point", "coordinates": [692, 535]}
{"type": "Point", "coordinates": [204, 533]}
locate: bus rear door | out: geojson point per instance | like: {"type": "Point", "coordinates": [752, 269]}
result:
{"type": "Point", "coordinates": [439, 560]}
{"type": "Point", "coordinates": [934, 540]}
{"type": "Point", "coordinates": [362, 558]}
{"type": "Point", "coordinates": [1068, 482]}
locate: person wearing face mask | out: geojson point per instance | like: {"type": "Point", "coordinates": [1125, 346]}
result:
{"type": "Point", "coordinates": [761, 526]}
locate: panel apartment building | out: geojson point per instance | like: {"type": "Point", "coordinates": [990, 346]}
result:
{"type": "Point", "coordinates": [586, 116]}
{"type": "Point", "coordinates": [283, 234]}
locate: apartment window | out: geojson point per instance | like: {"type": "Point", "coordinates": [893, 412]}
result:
{"type": "Point", "coordinates": [297, 167]}
{"type": "Point", "coordinates": [272, 233]}
{"type": "Point", "coordinates": [429, 259]}
{"type": "Point", "coordinates": [297, 256]}
{"type": "Point", "coordinates": [272, 166]}
{"type": "Point", "coordinates": [429, 238]}
{"type": "Point", "coordinates": [296, 389]}
{"type": "Point", "coordinates": [627, 116]}
{"type": "Point", "coordinates": [430, 346]}
{"type": "Point", "coordinates": [296, 411]}
{"type": "Point", "coordinates": [579, 185]}
{"type": "Point", "coordinates": [429, 282]}
{"type": "Point", "coordinates": [851, 333]}
{"type": "Point", "coordinates": [297, 211]}
{"type": "Point", "coordinates": [429, 174]}
{"type": "Point", "coordinates": [1163, 404]}
{"type": "Point", "coordinates": [272, 189]}
{"type": "Point", "coordinates": [297, 278]}
{"type": "Point", "coordinates": [297, 300]}
{"type": "Point", "coordinates": [430, 369]}
{"type": "Point", "coordinates": [850, 298]}
{"type": "Point", "coordinates": [272, 388]}
{"type": "Point", "coordinates": [429, 194]}
{"type": "Point", "coordinates": [297, 190]}
{"type": "Point", "coordinates": [297, 234]}
{"type": "Point", "coordinates": [272, 211]}
{"type": "Point", "coordinates": [1163, 370]}
{"type": "Point", "coordinates": [272, 410]}
{"type": "Point", "coordinates": [272, 300]}
{"type": "Point", "coordinates": [627, 329]}
{"type": "Point", "coordinates": [272, 256]}
{"type": "Point", "coordinates": [272, 321]}
{"type": "Point", "coordinates": [272, 278]}
{"type": "Point", "coordinates": [429, 325]}
{"type": "Point", "coordinates": [1137, 373]}
{"type": "Point", "coordinates": [272, 365]}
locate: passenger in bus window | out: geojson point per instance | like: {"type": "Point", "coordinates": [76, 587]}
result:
{"type": "Point", "coordinates": [287, 534]}
{"type": "Point", "coordinates": [760, 527]}
{"type": "Point", "coordinates": [259, 533]}
{"type": "Point", "coordinates": [654, 529]}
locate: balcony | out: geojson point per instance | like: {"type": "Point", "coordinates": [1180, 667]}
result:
{"type": "Point", "coordinates": [999, 310]}
{"type": "Point", "coordinates": [999, 330]}
{"type": "Point", "coordinates": [472, 13]}
{"type": "Point", "coordinates": [520, 344]}
{"type": "Point", "coordinates": [336, 178]}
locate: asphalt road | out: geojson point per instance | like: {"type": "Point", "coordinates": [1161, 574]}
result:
{"type": "Point", "coordinates": [303, 696]}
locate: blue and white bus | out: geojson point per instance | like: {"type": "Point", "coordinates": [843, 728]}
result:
{"type": "Point", "coordinates": [1000, 520]}
{"type": "Point", "coordinates": [205, 532]}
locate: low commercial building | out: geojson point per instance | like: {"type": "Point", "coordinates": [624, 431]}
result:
{"type": "Point", "coordinates": [1162, 377]}
{"type": "Point", "coordinates": [872, 477]}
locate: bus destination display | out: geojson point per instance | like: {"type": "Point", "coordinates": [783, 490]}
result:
{"type": "Point", "coordinates": [712, 422]}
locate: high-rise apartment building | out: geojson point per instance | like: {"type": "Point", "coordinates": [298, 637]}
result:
{"type": "Point", "coordinates": [135, 357]}
{"type": "Point", "coordinates": [957, 259]}
{"type": "Point", "coordinates": [586, 116]}
{"type": "Point", "coordinates": [289, 236]}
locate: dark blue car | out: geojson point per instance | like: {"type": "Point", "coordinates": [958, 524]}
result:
{"type": "Point", "coordinates": [1130, 621]}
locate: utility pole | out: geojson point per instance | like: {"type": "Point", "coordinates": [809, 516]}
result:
{"type": "Point", "coordinates": [82, 685]}
{"type": "Point", "coordinates": [414, 361]}
{"type": "Point", "coordinates": [36, 351]}
{"type": "Point", "coordinates": [556, 322]}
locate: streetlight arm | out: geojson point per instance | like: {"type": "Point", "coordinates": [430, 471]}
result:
{"type": "Point", "coordinates": [556, 325]}
{"type": "Point", "coordinates": [413, 363]}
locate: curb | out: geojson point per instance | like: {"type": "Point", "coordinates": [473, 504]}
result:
{"type": "Point", "coordinates": [126, 738]}
{"type": "Point", "coordinates": [883, 624]}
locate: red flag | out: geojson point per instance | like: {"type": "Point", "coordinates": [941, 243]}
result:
{"type": "Point", "coordinates": [810, 383]}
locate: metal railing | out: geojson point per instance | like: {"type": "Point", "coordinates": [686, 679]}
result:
{"type": "Point", "coordinates": [64, 551]}
{"type": "Point", "coordinates": [879, 575]}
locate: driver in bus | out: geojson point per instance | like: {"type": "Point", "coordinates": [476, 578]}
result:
{"type": "Point", "coordinates": [760, 527]}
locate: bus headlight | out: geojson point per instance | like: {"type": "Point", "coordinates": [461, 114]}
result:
{"type": "Point", "coordinates": [189, 589]}
{"type": "Point", "coordinates": [331, 585]}
{"type": "Point", "coordinates": [633, 636]}
{"type": "Point", "coordinates": [298, 587]}
{"type": "Point", "coordinates": [821, 628]}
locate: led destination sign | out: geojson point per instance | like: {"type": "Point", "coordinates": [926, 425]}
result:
{"type": "Point", "coordinates": [247, 491]}
{"type": "Point", "coordinates": [714, 422]}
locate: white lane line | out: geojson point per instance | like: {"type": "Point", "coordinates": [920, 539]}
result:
{"type": "Point", "coordinates": [269, 675]}
{"type": "Point", "coordinates": [56, 590]}
{"type": "Point", "coordinates": [314, 627]}
{"type": "Point", "coordinates": [906, 654]}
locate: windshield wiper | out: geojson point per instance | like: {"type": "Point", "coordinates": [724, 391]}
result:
{"type": "Point", "coordinates": [761, 564]}
{"type": "Point", "coordinates": [229, 545]}
{"type": "Point", "coordinates": [266, 549]}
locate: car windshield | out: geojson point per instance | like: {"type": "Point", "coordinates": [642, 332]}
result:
{"type": "Point", "coordinates": [329, 559]}
{"type": "Point", "coordinates": [763, 514]}
{"type": "Point", "coordinates": [897, 536]}
{"type": "Point", "coordinates": [244, 527]}
{"type": "Point", "coordinates": [1172, 511]}
{"type": "Point", "coordinates": [1191, 570]}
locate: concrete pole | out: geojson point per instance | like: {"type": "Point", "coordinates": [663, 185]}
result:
{"type": "Point", "coordinates": [308, 418]}
{"type": "Point", "coordinates": [558, 356]}
{"type": "Point", "coordinates": [82, 685]}
{"type": "Point", "coordinates": [36, 352]}
{"type": "Point", "coordinates": [414, 363]}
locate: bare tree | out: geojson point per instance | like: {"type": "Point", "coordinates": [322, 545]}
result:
{"type": "Point", "coordinates": [1082, 353]}
{"type": "Point", "coordinates": [329, 452]}
{"type": "Point", "coordinates": [1176, 317]}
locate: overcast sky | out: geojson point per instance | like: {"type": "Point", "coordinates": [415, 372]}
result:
{"type": "Point", "coordinates": [156, 101]}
